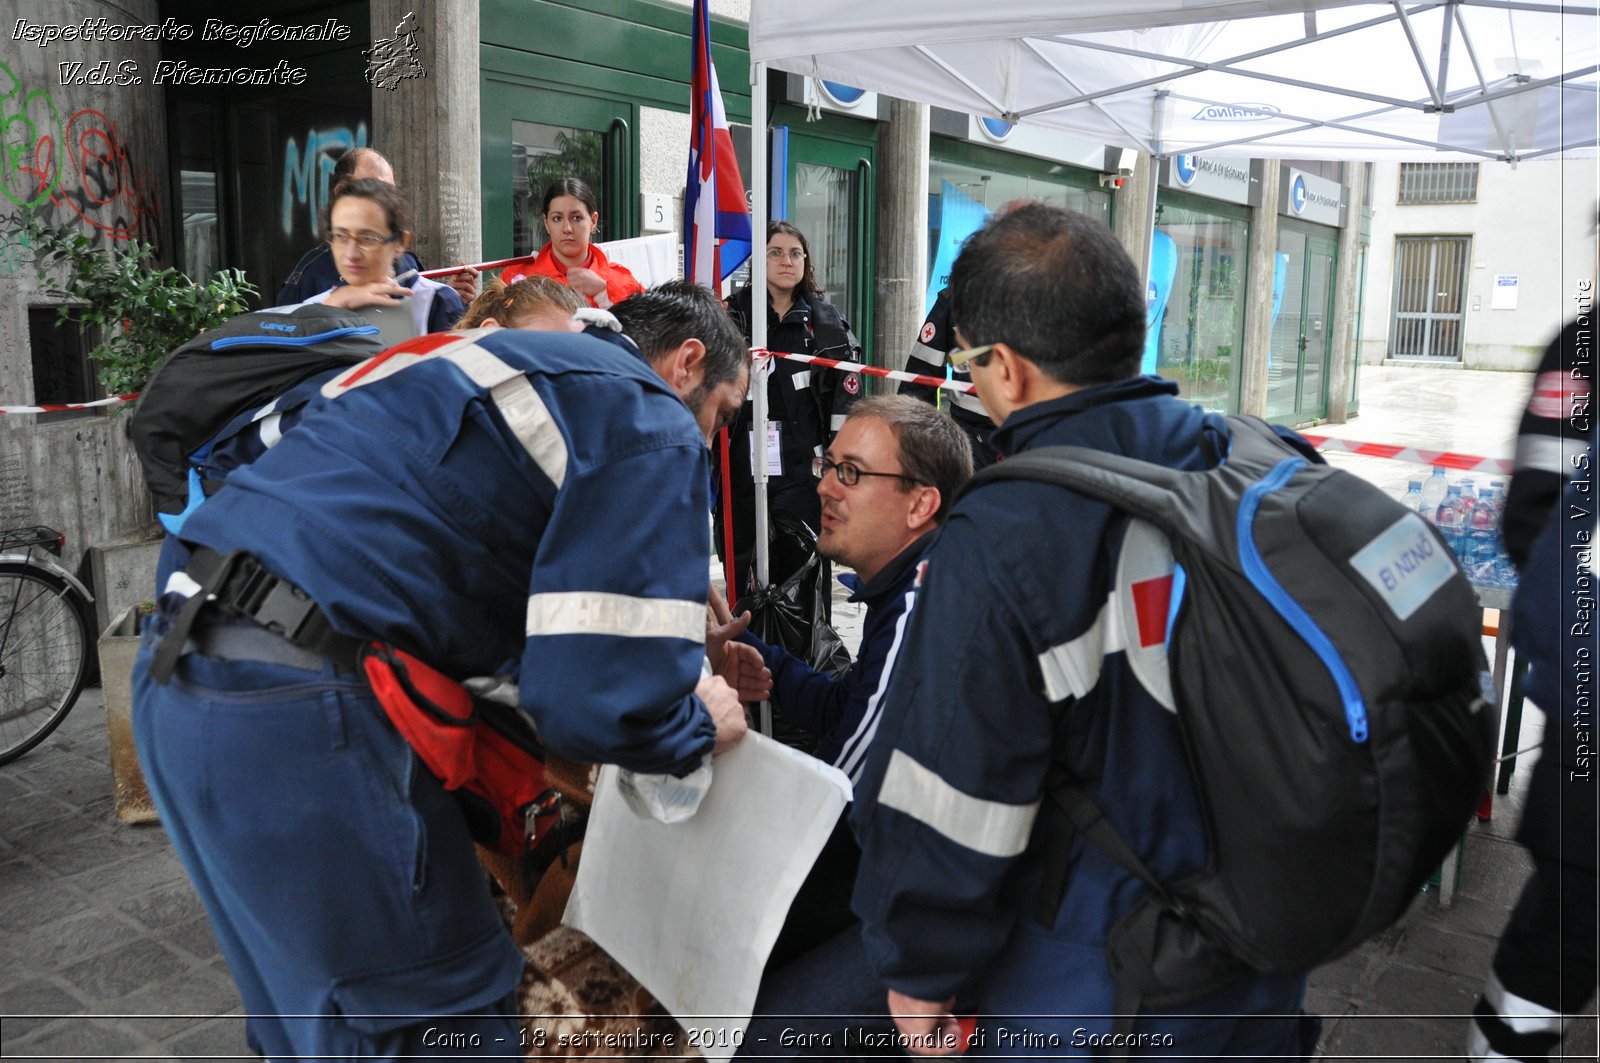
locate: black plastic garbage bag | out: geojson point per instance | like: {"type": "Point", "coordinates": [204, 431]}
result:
{"type": "Point", "coordinates": [793, 611]}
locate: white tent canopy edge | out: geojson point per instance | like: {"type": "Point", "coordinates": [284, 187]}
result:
{"type": "Point", "coordinates": [1435, 80]}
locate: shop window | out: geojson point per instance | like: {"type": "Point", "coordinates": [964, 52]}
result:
{"type": "Point", "coordinates": [1438, 182]}
{"type": "Point", "coordinates": [62, 371]}
{"type": "Point", "coordinates": [962, 196]}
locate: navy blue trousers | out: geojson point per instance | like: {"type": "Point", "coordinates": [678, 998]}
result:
{"type": "Point", "coordinates": [338, 875]}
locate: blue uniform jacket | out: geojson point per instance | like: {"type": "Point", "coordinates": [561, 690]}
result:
{"type": "Point", "coordinates": [1020, 585]}
{"type": "Point", "coordinates": [843, 712]}
{"type": "Point", "coordinates": [508, 501]}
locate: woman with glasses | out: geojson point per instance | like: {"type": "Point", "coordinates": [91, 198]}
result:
{"type": "Point", "coordinates": [368, 226]}
{"type": "Point", "coordinates": [571, 215]}
{"type": "Point", "coordinates": [805, 404]}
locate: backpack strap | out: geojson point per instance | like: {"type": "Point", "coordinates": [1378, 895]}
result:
{"type": "Point", "coordinates": [1078, 815]}
{"type": "Point", "coordinates": [1139, 488]}
{"type": "Point", "coordinates": [1074, 814]}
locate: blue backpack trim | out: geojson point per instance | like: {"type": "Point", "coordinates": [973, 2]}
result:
{"type": "Point", "coordinates": [293, 341]}
{"type": "Point", "coordinates": [173, 522]}
{"type": "Point", "coordinates": [1255, 569]}
{"type": "Point", "coordinates": [1180, 579]}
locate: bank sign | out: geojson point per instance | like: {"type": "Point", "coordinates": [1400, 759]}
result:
{"type": "Point", "coordinates": [1232, 180]}
{"type": "Point", "coordinates": [1312, 198]}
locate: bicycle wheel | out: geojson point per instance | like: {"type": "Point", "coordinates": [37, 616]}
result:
{"type": "Point", "coordinates": [45, 635]}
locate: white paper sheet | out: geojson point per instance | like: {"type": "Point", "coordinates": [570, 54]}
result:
{"type": "Point", "coordinates": [692, 909]}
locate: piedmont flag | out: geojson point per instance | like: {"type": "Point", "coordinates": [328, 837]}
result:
{"type": "Point", "coordinates": [716, 219]}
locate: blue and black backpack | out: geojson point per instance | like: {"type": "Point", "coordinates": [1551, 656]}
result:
{"type": "Point", "coordinates": [204, 392]}
{"type": "Point", "coordinates": [1325, 658]}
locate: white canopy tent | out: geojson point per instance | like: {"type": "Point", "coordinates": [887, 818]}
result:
{"type": "Point", "coordinates": [1433, 80]}
{"type": "Point", "coordinates": [1327, 79]}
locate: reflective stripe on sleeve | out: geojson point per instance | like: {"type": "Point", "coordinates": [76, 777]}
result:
{"type": "Point", "coordinates": [1549, 453]}
{"type": "Point", "coordinates": [270, 429]}
{"type": "Point", "coordinates": [529, 420]}
{"type": "Point", "coordinates": [802, 379]}
{"type": "Point", "coordinates": [1073, 668]}
{"type": "Point", "coordinates": [622, 615]}
{"type": "Point", "coordinates": [836, 422]}
{"type": "Point", "coordinates": [992, 828]}
{"type": "Point", "coordinates": [968, 401]}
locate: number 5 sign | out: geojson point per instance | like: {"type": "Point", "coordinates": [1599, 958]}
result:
{"type": "Point", "coordinates": [657, 213]}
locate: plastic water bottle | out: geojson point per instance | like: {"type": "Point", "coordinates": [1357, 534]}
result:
{"type": "Point", "coordinates": [1434, 490]}
{"type": "Point", "coordinates": [1448, 518]}
{"type": "Point", "coordinates": [1483, 542]}
{"type": "Point", "coordinates": [1413, 496]}
{"type": "Point", "coordinates": [1505, 571]}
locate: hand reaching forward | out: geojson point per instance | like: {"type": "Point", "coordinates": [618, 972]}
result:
{"type": "Point", "coordinates": [726, 711]}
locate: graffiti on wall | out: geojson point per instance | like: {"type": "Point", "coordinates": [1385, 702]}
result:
{"type": "Point", "coordinates": [81, 165]}
{"type": "Point", "coordinates": [16, 249]}
{"type": "Point", "coordinates": [307, 173]}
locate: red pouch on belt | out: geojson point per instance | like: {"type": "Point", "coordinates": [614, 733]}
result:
{"type": "Point", "coordinates": [481, 751]}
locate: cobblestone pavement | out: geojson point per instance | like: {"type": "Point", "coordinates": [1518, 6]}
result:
{"type": "Point", "coordinates": [105, 952]}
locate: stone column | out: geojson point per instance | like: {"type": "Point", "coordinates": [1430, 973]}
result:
{"type": "Point", "coordinates": [1258, 304]}
{"type": "Point", "coordinates": [902, 265]}
{"type": "Point", "coordinates": [425, 119]}
{"type": "Point", "coordinates": [1346, 287]}
{"type": "Point", "coordinates": [1134, 220]}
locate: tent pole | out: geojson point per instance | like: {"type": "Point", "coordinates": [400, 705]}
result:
{"type": "Point", "coordinates": [1158, 114]}
{"type": "Point", "coordinates": [758, 328]}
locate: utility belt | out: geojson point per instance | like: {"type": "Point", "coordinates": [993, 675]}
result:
{"type": "Point", "coordinates": [485, 753]}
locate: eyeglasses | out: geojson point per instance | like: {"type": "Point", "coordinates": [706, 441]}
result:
{"type": "Point", "coordinates": [365, 241]}
{"type": "Point", "coordinates": [778, 254]}
{"type": "Point", "coordinates": [850, 474]}
{"type": "Point", "coordinates": [978, 356]}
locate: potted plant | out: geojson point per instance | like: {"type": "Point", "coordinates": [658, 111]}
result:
{"type": "Point", "coordinates": [141, 312]}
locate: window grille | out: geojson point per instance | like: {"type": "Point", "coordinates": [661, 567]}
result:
{"type": "Point", "coordinates": [1438, 182]}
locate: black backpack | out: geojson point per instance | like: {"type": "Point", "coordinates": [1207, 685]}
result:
{"type": "Point", "coordinates": [244, 362]}
{"type": "Point", "coordinates": [1337, 769]}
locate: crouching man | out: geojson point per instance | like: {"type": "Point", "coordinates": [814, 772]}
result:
{"type": "Point", "coordinates": [474, 500]}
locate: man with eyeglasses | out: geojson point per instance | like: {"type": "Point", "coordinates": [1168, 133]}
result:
{"type": "Point", "coordinates": [1014, 670]}
{"type": "Point", "coordinates": [885, 483]}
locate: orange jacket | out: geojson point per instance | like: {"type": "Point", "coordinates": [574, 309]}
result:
{"type": "Point", "coordinates": [619, 282]}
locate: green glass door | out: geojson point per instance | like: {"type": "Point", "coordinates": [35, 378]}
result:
{"type": "Point", "coordinates": [534, 134]}
{"type": "Point", "coordinates": [1302, 330]}
{"type": "Point", "coordinates": [831, 190]}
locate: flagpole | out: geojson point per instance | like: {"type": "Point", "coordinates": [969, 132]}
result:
{"type": "Point", "coordinates": [758, 326]}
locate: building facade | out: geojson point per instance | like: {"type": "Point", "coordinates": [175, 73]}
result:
{"type": "Point", "coordinates": [1476, 266]}
{"type": "Point", "coordinates": [1254, 265]}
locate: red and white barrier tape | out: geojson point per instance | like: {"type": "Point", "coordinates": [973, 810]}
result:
{"type": "Point", "coordinates": [61, 407]}
{"type": "Point", "coordinates": [1448, 458]}
{"type": "Point", "coordinates": [481, 267]}
{"type": "Point", "coordinates": [870, 370]}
